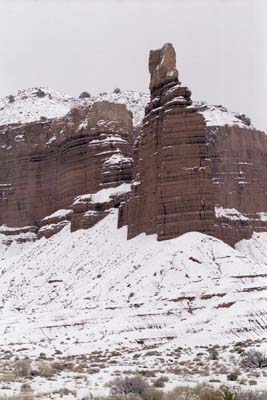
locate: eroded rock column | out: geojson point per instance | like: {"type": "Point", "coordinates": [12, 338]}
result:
{"type": "Point", "coordinates": [172, 192]}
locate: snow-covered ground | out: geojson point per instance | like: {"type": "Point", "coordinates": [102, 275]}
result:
{"type": "Point", "coordinates": [93, 298]}
{"type": "Point", "coordinates": [217, 115]}
{"type": "Point", "coordinates": [28, 106]}
{"type": "Point", "coordinates": [14, 241]}
{"type": "Point", "coordinates": [32, 104]}
{"type": "Point", "coordinates": [99, 290]}
{"type": "Point", "coordinates": [92, 295]}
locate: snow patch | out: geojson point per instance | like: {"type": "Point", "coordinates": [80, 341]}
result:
{"type": "Point", "coordinates": [62, 213]}
{"type": "Point", "coordinates": [215, 115]}
{"type": "Point", "coordinates": [230, 213]}
{"type": "Point", "coordinates": [29, 106]}
{"type": "Point", "coordinates": [104, 195]}
{"type": "Point", "coordinates": [94, 289]}
{"type": "Point", "coordinates": [117, 158]}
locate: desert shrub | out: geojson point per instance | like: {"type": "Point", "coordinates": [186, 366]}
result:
{"type": "Point", "coordinates": [22, 368]}
{"type": "Point", "coordinates": [124, 386]}
{"type": "Point", "coordinates": [152, 394]}
{"type": "Point", "coordinates": [254, 359]}
{"type": "Point", "coordinates": [26, 392]}
{"type": "Point", "coordinates": [40, 93]}
{"type": "Point", "coordinates": [252, 382]}
{"type": "Point", "coordinates": [117, 90]}
{"type": "Point", "coordinates": [233, 376]}
{"type": "Point", "coordinates": [251, 395]}
{"type": "Point", "coordinates": [152, 353]}
{"type": "Point", "coordinates": [46, 370]}
{"type": "Point", "coordinates": [213, 353]}
{"type": "Point", "coordinates": [11, 98]}
{"type": "Point", "coordinates": [25, 387]}
{"type": "Point", "coordinates": [225, 393]}
{"type": "Point", "coordinates": [84, 95]}
{"type": "Point", "coordinates": [146, 373]}
{"type": "Point", "coordinates": [160, 382]}
{"type": "Point", "coordinates": [58, 366]}
{"type": "Point", "coordinates": [209, 393]}
{"type": "Point", "coordinates": [66, 392]}
{"type": "Point", "coordinates": [200, 392]}
{"type": "Point", "coordinates": [182, 393]}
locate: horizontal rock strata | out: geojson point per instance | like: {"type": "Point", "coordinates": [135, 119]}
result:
{"type": "Point", "coordinates": [195, 167]}
{"type": "Point", "coordinates": [44, 165]}
{"type": "Point", "coordinates": [172, 192]}
{"type": "Point", "coordinates": [239, 176]}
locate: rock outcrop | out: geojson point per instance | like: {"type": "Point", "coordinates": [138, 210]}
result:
{"type": "Point", "coordinates": [172, 192]}
{"type": "Point", "coordinates": [162, 67]}
{"type": "Point", "coordinates": [195, 167]}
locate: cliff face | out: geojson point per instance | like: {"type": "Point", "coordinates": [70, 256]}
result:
{"type": "Point", "coordinates": [195, 167]}
{"type": "Point", "coordinates": [239, 174]}
{"type": "Point", "coordinates": [44, 165]}
{"type": "Point", "coordinates": [172, 192]}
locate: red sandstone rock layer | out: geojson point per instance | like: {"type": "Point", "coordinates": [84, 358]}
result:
{"type": "Point", "coordinates": [192, 172]}
{"type": "Point", "coordinates": [239, 172]}
{"type": "Point", "coordinates": [45, 165]}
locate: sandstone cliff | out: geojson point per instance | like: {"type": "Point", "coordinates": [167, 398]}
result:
{"type": "Point", "coordinates": [196, 167]}
{"type": "Point", "coordinates": [44, 165]}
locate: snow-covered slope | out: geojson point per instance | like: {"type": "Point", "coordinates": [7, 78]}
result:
{"type": "Point", "coordinates": [33, 104]}
{"type": "Point", "coordinates": [216, 115]}
{"type": "Point", "coordinates": [93, 289]}
{"type": "Point", "coordinates": [14, 241]}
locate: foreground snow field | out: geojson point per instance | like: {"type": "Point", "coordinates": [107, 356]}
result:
{"type": "Point", "coordinates": [93, 289]}
{"type": "Point", "coordinates": [101, 306]}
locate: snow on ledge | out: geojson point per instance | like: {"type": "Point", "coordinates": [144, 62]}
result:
{"type": "Point", "coordinates": [62, 213]}
{"type": "Point", "coordinates": [103, 195]}
{"type": "Point", "coordinates": [9, 229]}
{"type": "Point", "coordinates": [216, 115]}
{"type": "Point", "coordinates": [230, 213]}
{"type": "Point", "coordinates": [117, 158]}
{"type": "Point", "coordinates": [262, 216]}
{"type": "Point", "coordinates": [235, 215]}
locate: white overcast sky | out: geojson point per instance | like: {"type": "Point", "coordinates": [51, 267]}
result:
{"type": "Point", "coordinates": [97, 45]}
